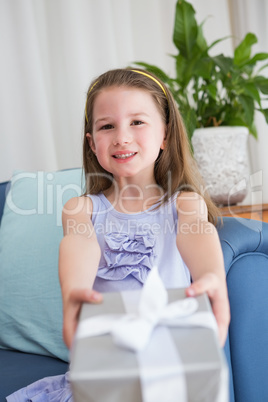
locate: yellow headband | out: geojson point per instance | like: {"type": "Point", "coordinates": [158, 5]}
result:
{"type": "Point", "coordinates": [152, 78]}
{"type": "Point", "coordinates": [135, 71]}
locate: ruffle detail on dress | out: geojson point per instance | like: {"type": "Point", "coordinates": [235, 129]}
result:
{"type": "Point", "coordinates": [128, 255]}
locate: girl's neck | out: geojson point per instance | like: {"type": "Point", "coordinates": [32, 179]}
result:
{"type": "Point", "coordinates": [133, 198]}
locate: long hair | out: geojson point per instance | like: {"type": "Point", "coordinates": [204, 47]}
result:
{"type": "Point", "coordinates": [175, 168]}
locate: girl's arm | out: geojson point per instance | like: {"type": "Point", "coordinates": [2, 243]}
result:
{"type": "Point", "coordinates": [79, 256]}
{"type": "Point", "coordinates": [199, 245]}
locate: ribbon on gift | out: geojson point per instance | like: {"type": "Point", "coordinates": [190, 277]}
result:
{"type": "Point", "coordinates": [161, 371]}
{"type": "Point", "coordinates": [133, 331]}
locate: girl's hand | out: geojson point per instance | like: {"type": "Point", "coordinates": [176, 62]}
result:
{"type": "Point", "coordinates": [71, 311]}
{"type": "Point", "coordinates": [211, 284]}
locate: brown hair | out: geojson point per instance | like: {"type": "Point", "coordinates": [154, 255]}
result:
{"type": "Point", "coordinates": [175, 168]}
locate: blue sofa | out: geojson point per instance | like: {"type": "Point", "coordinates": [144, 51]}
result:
{"type": "Point", "coordinates": [245, 247]}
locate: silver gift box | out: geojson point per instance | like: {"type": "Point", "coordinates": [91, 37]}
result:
{"type": "Point", "coordinates": [101, 371]}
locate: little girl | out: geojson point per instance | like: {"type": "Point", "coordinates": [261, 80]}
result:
{"type": "Point", "coordinates": [144, 205]}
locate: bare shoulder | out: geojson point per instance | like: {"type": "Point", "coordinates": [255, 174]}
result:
{"type": "Point", "coordinates": [76, 211]}
{"type": "Point", "coordinates": [77, 206]}
{"type": "Point", "coordinates": [191, 205]}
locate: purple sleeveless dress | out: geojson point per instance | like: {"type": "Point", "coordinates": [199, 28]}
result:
{"type": "Point", "coordinates": [131, 245]}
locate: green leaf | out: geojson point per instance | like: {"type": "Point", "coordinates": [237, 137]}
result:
{"type": "Point", "coordinates": [236, 120]}
{"type": "Point", "coordinates": [251, 90]}
{"type": "Point", "coordinates": [200, 40]}
{"type": "Point", "coordinates": [212, 91]}
{"type": "Point", "coordinates": [190, 121]}
{"type": "Point", "coordinates": [243, 50]}
{"type": "Point", "coordinates": [257, 57]}
{"type": "Point", "coordinates": [248, 66]}
{"type": "Point", "coordinates": [253, 130]}
{"type": "Point", "coordinates": [265, 113]}
{"type": "Point", "coordinates": [223, 62]}
{"type": "Point", "coordinates": [248, 108]}
{"type": "Point", "coordinates": [186, 69]}
{"type": "Point", "coordinates": [181, 70]}
{"type": "Point", "coordinates": [245, 69]}
{"type": "Point", "coordinates": [217, 41]}
{"type": "Point", "coordinates": [262, 68]}
{"type": "Point", "coordinates": [185, 29]}
{"type": "Point", "coordinates": [203, 68]}
{"type": "Point", "coordinates": [262, 84]}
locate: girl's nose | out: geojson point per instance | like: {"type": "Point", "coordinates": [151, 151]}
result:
{"type": "Point", "coordinates": [122, 137]}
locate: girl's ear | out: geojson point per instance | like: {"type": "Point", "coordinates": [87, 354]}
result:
{"type": "Point", "coordinates": [163, 145]}
{"type": "Point", "coordinates": [91, 142]}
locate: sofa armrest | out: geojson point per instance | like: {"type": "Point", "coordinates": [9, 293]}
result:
{"type": "Point", "coordinates": [239, 236]}
{"type": "Point", "coordinates": [245, 248]}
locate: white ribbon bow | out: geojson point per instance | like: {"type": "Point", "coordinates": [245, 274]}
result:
{"type": "Point", "coordinates": [133, 331]}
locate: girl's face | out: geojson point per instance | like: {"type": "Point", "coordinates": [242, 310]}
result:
{"type": "Point", "coordinates": [127, 132]}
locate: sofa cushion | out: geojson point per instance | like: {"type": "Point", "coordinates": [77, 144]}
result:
{"type": "Point", "coordinates": [31, 230]}
{"type": "Point", "coordinates": [4, 187]}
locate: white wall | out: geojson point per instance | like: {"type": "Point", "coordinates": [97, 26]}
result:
{"type": "Point", "coordinates": [52, 49]}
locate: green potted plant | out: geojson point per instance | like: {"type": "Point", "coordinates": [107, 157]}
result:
{"type": "Point", "coordinates": [213, 91]}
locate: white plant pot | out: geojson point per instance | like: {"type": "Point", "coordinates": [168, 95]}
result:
{"type": "Point", "coordinates": [222, 157]}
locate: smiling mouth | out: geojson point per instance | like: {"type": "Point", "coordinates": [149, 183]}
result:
{"type": "Point", "coordinates": [124, 156]}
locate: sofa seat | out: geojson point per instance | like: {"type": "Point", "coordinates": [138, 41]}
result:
{"type": "Point", "coordinates": [18, 370]}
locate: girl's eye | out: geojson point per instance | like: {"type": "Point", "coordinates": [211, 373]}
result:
{"type": "Point", "coordinates": [136, 123]}
{"type": "Point", "coordinates": [106, 127]}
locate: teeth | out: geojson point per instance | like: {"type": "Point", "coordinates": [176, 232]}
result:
{"type": "Point", "coordinates": [124, 156]}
